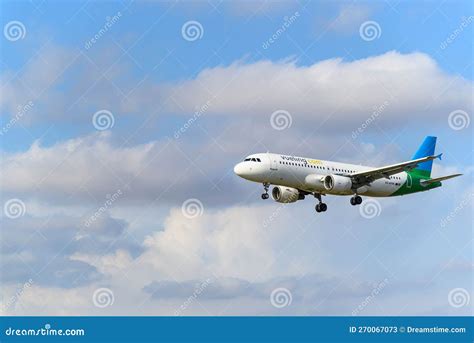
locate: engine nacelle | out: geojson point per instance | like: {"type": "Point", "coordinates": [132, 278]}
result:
{"type": "Point", "coordinates": [337, 184]}
{"type": "Point", "coordinates": [315, 182]}
{"type": "Point", "coordinates": [286, 194]}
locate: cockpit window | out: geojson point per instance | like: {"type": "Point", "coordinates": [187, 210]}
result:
{"type": "Point", "coordinates": [252, 159]}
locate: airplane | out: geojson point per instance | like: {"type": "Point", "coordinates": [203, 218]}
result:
{"type": "Point", "coordinates": [296, 177]}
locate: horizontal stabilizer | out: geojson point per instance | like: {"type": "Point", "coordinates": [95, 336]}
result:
{"type": "Point", "coordinates": [442, 178]}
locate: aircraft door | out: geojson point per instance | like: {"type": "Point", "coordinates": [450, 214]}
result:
{"type": "Point", "coordinates": [273, 162]}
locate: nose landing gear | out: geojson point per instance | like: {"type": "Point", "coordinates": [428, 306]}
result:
{"type": "Point", "coordinates": [320, 206]}
{"type": "Point", "coordinates": [356, 200]}
{"type": "Point", "coordinates": [266, 186]}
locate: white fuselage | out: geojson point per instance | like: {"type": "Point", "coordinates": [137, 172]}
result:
{"type": "Point", "coordinates": [302, 173]}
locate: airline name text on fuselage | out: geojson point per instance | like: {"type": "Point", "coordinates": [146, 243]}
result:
{"type": "Point", "coordinates": [300, 160]}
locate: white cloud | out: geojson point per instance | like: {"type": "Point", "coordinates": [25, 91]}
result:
{"type": "Point", "coordinates": [85, 170]}
{"type": "Point", "coordinates": [94, 167]}
{"type": "Point", "coordinates": [77, 174]}
{"type": "Point", "coordinates": [228, 243]}
{"type": "Point", "coordinates": [350, 17]}
{"type": "Point", "coordinates": [246, 261]}
{"type": "Point", "coordinates": [37, 82]}
{"type": "Point", "coordinates": [341, 93]}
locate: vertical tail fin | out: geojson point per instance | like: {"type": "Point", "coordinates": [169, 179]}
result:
{"type": "Point", "coordinates": [427, 148]}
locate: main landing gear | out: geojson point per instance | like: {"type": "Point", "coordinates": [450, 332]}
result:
{"type": "Point", "coordinates": [356, 200]}
{"type": "Point", "coordinates": [266, 186]}
{"type": "Point", "coordinates": [320, 206]}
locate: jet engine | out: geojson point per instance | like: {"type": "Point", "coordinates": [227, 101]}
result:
{"type": "Point", "coordinates": [286, 194]}
{"type": "Point", "coordinates": [315, 182]}
{"type": "Point", "coordinates": [337, 184]}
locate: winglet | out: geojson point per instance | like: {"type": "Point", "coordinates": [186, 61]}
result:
{"type": "Point", "coordinates": [439, 156]}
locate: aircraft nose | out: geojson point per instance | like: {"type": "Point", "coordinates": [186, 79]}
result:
{"type": "Point", "coordinates": [239, 169]}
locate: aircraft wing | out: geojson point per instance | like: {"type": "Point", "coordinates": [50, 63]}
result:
{"type": "Point", "coordinates": [368, 176]}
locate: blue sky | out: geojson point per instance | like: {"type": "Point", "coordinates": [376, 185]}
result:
{"type": "Point", "coordinates": [146, 75]}
{"type": "Point", "coordinates": [148, 34]}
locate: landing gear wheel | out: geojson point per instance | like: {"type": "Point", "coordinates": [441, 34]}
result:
{"type": "Point", "coordinates": [266, 186]}
{"type": "Point", "coordinates": [321, 207]}
{"type": "Point", "coordinates": [356, 200]}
